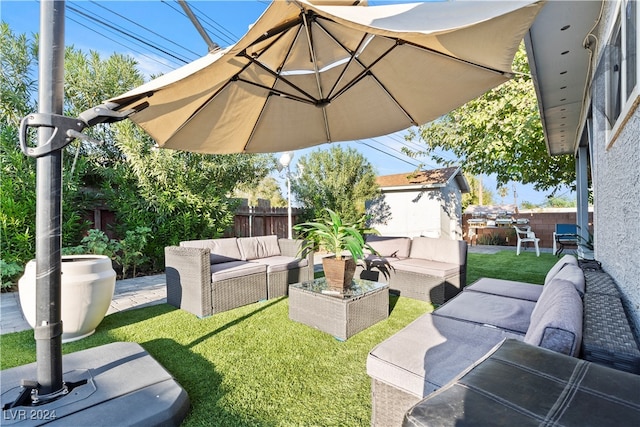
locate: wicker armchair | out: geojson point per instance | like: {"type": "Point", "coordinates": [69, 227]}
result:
{"type": "Point", "coordinates": [190, 286]}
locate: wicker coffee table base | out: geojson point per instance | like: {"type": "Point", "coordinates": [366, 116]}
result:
{"type": "Point", "coordinates": [336, 316]}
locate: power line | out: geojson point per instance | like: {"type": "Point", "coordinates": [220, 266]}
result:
{"type": "Point", "coordinates": [145, 28]}
{"type": "Point", "coordinates": [383, 152]}
{"type": "Point", "coordinates": [117, 42]}
{"type": "Point", "coordinates": [393, 149]}
{"type": "Point", "coordinates": [125, 33]}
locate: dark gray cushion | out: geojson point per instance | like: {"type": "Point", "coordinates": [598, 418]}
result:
{"type": "Point", "coordinates": [431, 351]}
{"type": "Point", "coordinates": [507, 288]}
{"type": "Point", "coordinates": [556, 320]}
{"type": "Point", "coordinates": [503, 312]}
{"type": "Point", "coordinates": [567, 259]}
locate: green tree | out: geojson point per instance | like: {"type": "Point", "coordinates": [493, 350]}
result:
{"type": "Point", "coordinates": [339, 179]}
{"type": "Point", "coordinates": [473, 197]}
{"type": "Point", "coordinates": [561, 202]}
{"type": "Point", "coordinates": [89, 81]}
{"type": "Point", "coordinates": [267, 189]}
{"type": "Point", "coordinates": [528, 205]}
{"type": "Point", "coordinates": [178, 195]}
{"type": "Point", "coordinates": [499, 133]}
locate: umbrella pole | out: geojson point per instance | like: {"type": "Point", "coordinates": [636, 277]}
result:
{"type": "Point", "coordinates": [48, 330]}
{"type": "Point", "coordinates": [211, 45]}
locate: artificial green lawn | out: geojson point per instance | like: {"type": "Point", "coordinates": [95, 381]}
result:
{"type": "Point", "coordinates": [252, 366]}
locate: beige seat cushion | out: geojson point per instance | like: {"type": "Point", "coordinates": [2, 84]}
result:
{"type": "Point", "coordinates": [281, 263]}
{"type": "Point", "coordinates": [222, 250]}
{"type": "Point", "coordinates": [258, 247]}
{"type": "Point", "coordinates": [390, 247]}
{"type": "Point", "coordinates": [443, 250]}
{"type": "Point", "coordinates": [428, 267]}
{"type": "Point", "coordinates": [235, 269]}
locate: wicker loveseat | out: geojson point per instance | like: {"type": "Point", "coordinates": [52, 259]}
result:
{"type": "Point", "coordinates": [205, 277]}
{"type": "Point", "coordinates": [423, 268]}
{"type": "Point", "coordinates": [438, 346]}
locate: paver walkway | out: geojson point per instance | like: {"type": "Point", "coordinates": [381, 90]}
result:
{"type": "Point", "coordinates": [129, 293]}
{"type": "Point", "coordinates": [140, 292]}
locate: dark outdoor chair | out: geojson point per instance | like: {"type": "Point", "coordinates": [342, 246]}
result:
{"type": "Point", "coordinates": [565, 234]}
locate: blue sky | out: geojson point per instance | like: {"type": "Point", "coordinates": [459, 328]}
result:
{"type": "Point", "coordinates": [165, 39]}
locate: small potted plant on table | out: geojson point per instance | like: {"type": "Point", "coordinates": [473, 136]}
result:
{"type": "Point", "coordinates": [337, 237]}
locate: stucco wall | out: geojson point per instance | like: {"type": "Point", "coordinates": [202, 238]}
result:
{"type": "Point", "coordinates": [617, 212]}
{"type": "Point", "coordinates": [616, 178]}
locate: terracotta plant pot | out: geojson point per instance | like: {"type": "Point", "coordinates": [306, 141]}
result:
{"type": "Point", "coordinates": [88, 282]}
{"type": "Point", "coordinates": [339, 272]}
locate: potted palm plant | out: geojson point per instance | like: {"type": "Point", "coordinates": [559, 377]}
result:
{"type": "Point", "coordinates": [338, 237]}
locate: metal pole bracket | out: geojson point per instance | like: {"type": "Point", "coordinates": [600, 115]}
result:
{"type": "Point", "coordinates": [64, 128]}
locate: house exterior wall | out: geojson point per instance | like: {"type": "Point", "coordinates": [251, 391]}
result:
{"type": "Point", "coordinates": [431, 213]}
{"type": "Point", "coordinates": [616, 187]}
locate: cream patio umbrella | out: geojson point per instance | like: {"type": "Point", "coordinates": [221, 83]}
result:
{"type": "Point", "coordinates": [309, 72]}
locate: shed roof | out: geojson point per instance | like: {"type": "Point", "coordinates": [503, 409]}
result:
{"type": "Point", "coordinates": [429, 179]}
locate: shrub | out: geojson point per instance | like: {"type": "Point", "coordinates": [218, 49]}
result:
{"type": "Point", "coordinates": [132, 249]}
{"type": "Point", "coordinates": [9, 272]}
{"type": "Point", "coordinates": [492, 240]}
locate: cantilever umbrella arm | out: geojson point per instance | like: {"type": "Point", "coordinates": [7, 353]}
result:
{"type": "Point", "coordinates": [66, 129]}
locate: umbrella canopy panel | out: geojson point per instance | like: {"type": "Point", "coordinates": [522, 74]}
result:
{"type": "Point", "coordinates": [307, 74]}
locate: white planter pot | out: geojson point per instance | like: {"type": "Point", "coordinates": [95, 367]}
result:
{"type": "Point", "coordinates": [88, 282]}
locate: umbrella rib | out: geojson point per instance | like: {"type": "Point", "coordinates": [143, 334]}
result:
{"type": "Point", "coordinates": [312, 53]}
{"type": "Point", "coordinates": [365, 72]}
{"type": "Point", "coordinates": [395, 101]}
{"type": "Point", "coordinates": [351, 58]}
{"type": "Point", "coordinates": [317, 75]}
{"type": "Point", "coordinates": [280, 77]}
{"type": "Point", "coordinates": [255, 124]}
{"type": "Point", "coordinates": [278, 92]}
{"type": "Point", "coordinates": [276, 31]}
{"type": "Point", "coordinates": [453, 58]}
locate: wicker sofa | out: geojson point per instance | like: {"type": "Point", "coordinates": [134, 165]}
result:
{"type": "Point", "coordinates": [205, 277]}
{"type": "Point", "coordinates": [438, 346]}
{"type": "Point", "coordinates": [423, 268]}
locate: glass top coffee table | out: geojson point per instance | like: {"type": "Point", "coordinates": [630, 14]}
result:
{"type": "Point", "coordinates": [364, 304]}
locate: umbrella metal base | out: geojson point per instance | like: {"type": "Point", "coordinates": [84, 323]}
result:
{"type": "Point", "coordinates": [114, 384]}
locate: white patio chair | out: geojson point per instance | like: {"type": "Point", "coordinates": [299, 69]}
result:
{"type": "Point", "coordinates": [525, 235]}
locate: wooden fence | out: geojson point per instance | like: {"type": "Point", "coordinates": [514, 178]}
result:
{"type": "Point", "coordinates": [252, 221]}
{"type": "Point", "coordinates": [249, 221]}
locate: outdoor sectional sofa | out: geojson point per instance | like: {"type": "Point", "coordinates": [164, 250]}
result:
{"type": "Point", "coordinates": [438, 346]}
{"type": "Point", "coordinates": [424, 268]}
{"type": "Point", "coordinates": [205, 277]}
